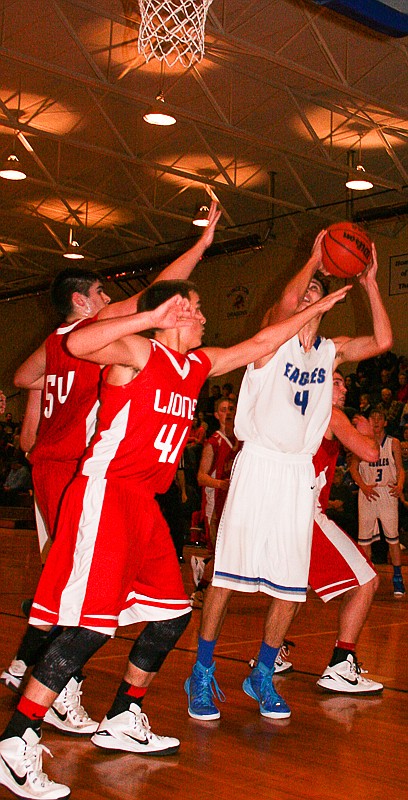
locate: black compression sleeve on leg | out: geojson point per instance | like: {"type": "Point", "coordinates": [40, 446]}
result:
{"type": "Point", "coordinates": [66, 656]}
{"type": "Point", "coordinates": [156, 641]}
{"type": "Point", "coordinates": [31, 645]}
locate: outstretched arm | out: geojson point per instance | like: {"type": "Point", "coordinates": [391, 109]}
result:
{"type": "Point", "coordinates": [359, 438]}
{"type": "Point", "coordinates": [180, 269]}
{"type": "Point", "coordinates": [269, 339]}
{"type": "Point", "coordinates": [362, 347]}
{"type": "Point", "coordinates": [295, 290]}
{"type": "Point", "coordinates": [112, 341]}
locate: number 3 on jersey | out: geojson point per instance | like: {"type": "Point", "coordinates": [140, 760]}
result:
{"type": "Point", "coordinates": [164, 442]}
{"type": "Point", "coordinates": [302, 399]}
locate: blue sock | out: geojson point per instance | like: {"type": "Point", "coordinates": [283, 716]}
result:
{"type": "Point", "coordinates": [205, 652]}
{"type": "Point", "coordinates": [268, 655]}
{"type": "Point", "coordinates": [397, 571]}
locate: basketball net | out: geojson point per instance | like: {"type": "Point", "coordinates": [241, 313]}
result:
{"type": "Point", "coordinates": [173, 31]}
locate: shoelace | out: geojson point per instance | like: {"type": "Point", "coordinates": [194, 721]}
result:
{"type": "Point", "coordinates": [268, 692]}
{"type": "Point", "coordinates": [73, 703]}
{"type": "Point", "coordinates": [207, 689]}
{"type": "Point", "coordinates": [33, 762]}
{"type": "Point", "coordinates": [142, 724]}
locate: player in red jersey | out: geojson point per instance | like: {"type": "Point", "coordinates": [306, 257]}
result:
{"type": "Point", "coordinates": [213, 476]}
{"type": "Point", "coordinates": [113, 560]}
{"type": "Point", "coordinates": [63, 403]}
{"type": "Point", "coordinates": [337, 565]}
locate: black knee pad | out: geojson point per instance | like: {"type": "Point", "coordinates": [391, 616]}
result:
{"type": "Point", "coordinates": [66, 656]}
{"type": "Point", "coordinates": [156, 641]}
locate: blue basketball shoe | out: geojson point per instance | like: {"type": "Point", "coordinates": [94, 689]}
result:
{"type": "Point", "coordinates": [201, 687]}
{"type": "Point", "coordinates": [259, 686]}
{"type": "Point", "coordinates": [399, 588]}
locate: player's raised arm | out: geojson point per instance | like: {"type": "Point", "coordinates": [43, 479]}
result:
{"type": "Point", "coordinates": [295, 290]}
{"type": "Point", "coordinates": [180, 269]}
{"type": "Point", "coordinates": [269, 339]}
{"type": "Point", "coordinates": [362, 347]}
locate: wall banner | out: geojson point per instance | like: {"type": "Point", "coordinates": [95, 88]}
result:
{"type": "Point", "coordinates": [398, 274]}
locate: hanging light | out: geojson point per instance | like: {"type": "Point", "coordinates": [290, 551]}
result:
{"type": "Point", "coordinates": [358, 182]}
{"type": "Point", "coordinates": [201, 217]}
{"type": "Point", "coordinates": [157, 114]}
{"type": "Point", "coordinates": [12, 170]}
{"type": "Point", "coordinates": [73, 250]}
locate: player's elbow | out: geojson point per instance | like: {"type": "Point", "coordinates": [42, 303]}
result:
{"type": "Point", "coordinates": [21, 379]}
{"type": "Point", "coordinates": [386, 342]}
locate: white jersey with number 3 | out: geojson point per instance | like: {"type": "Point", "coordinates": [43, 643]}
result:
{"type": "Point", "coordinates": [286, 405]}
{"type": "Point", "coordinates": [382, 472]}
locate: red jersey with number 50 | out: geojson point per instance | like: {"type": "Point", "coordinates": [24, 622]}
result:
{"type": "Point", "coordinates": [144, 425]}
{"type": "Point", "coordinates": [69, 400]}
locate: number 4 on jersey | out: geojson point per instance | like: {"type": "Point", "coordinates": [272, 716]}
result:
{"type": "Point", "coordinates": [164, 442]}
{"type": "Point", "coordinates": [302, 399]}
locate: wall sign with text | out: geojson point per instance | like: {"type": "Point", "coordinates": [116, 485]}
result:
{"type": "Point", "coordinates": [398, 274]}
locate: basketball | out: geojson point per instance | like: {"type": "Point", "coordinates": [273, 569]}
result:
{"type": "Point", "coordinates": [346, 249]}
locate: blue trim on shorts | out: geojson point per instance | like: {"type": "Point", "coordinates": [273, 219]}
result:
{"type": "Point", "coordinates": [260, 582]}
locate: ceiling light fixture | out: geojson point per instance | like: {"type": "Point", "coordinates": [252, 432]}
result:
{"type": "Point", "coordinates": [12, 170]}
{"type": "Point", "coordinates": [358, 182]}
{"type": "Point", "coordinates": [157, 114]}
{"type": "Point", "coordinates": [201, 217]}
{"type": "Point", "coordinates": [73, 250]}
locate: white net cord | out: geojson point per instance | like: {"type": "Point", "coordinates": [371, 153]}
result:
{"type": "Point", "coordinates": [173, 31]}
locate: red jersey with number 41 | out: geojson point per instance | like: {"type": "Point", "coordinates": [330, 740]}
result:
{"type": "Point", "coordinates": [69, 400]}
{"type": "Point", "coordinates": [144, 425]}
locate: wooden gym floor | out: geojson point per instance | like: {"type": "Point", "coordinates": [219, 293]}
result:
{"type": "Point", "coordinates": [331, 748]}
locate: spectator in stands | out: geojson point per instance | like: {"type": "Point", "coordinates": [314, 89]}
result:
{"type": "Point", "coordinates": [17, 481]}
{"type": "Point", "coordinates": [227, 390]}
{"type": "Point", "coordinates": [402, 391]}
{"type": "Point", "coordinates": [392, 410]}
{"type": "Point", "coordinates": [353, 393]}
{"type": "Point", "coordinates": [365, 405]}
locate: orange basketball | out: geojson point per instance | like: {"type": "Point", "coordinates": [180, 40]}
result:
{"type": "Point", "coordinates": [346, 249]}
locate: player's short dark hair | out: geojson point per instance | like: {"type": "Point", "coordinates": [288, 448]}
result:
{"type": "Point", "coordinates": [157, 293]}
{"type": "Point", "coordinates": [67, 282]}
{"type": "Point", "coordinates": [324, 282]}
{"type": "Point", "coordinates": [377, 410]}
{"type": "Point", "coordinates": [224, 400]}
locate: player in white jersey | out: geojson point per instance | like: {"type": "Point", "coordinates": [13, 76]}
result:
{"type": "Point", "coordinates": [110, 465]}
{"type": "Point", "coordinates": [380, 484]}
{"type": "Point", "coordinates": [264, 540]}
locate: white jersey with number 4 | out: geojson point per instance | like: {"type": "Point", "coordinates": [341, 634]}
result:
{"type": "Point", "coordinates": [286, 405]}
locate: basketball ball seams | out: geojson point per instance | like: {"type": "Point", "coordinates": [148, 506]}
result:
{"type": "Point", "coordinates": [336, 271]}
{"type": "Point", "coordinates": [346, 249]}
